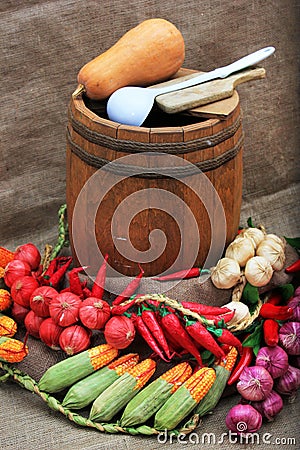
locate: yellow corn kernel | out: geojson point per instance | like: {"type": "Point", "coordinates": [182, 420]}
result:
{"type": "Point", "coordinates": [230, 359]}
{"type": "Point", "coordinates": [12, 350]}
{"type": "Point", "coordinates": [5, 256]}
{"type": "Point", "coordinates": [177, 375]}
{"type": "Point", "coordinates": [5, 299]}
{"type": "Point", "coordinates": [8, 327]}
{"type": "Point", "coordinates": [200, 383]}
{"type": "Point", "coordinates": [125, 362]}
{"type": "Point", "coordinates": [142, 372]}
{"type": "Point", "coordinates": [101, 355]}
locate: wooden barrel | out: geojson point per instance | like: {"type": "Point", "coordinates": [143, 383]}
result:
{"type": "Point", "coordinates": [204, 191]}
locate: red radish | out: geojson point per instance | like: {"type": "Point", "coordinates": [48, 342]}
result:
{"type": "Point", "coordinates": [19, 313]}
{"type": "Point", "coordinates": [64, 309]}
{"type": "Point", "coordinates": [119, 332]}
{"type": "Point", "coordinates": [40, 300]}
{"type": "Point", "coordinates": [94, 313]}
{"type": "Point", "coordinates": [74, 339]}
{"type": "Point", "coordinates": [22, 289]}
{"type": "Point", "coordinates": [30, 254]}
{"type": "Point", "coordinates": [32, 324]}
{"type": "Point", "coordinates": [50, 333]}
{"type": "Point", "coordinates": [15, 269]}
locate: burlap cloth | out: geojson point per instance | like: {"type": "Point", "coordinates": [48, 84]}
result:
{"type": "Point", "coordinates": [42, 47]}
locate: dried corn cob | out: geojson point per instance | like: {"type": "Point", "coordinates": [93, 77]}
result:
{"type": "Point", "coordinates": [5, 299]}
{"type": "Point", "coordinates": [183, 401]}
{"type": "Point", "coordinates": [153, 396]}
{"type": "Point", "coordinates": [70, 370]}
{"type": "Point", "coordinates": [118, 394]}
{"type": "Point", "coordinates": [8, 327]}
{"type": "Point", "coordinates": [5, 256]}
{"type": "Point", "coordinates": [85, 391]}
{"type": "Point", "coordinates": [12, 350]}
{"type": "Point", "coordinates": [223, 370]}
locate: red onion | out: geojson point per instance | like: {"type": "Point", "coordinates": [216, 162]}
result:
{"type": "Point", "coordinates": [64, 309]}
{"type": "Point", "coordinates": [289, 383]}
{"type": "Point", "coordinates": [22, 289]}
{"type": "Point", "coordinates": [274, 359]}
{"type": "Point", "coordinates": [75, 339]}
{"type": "Point", "coordinates": [243, 419]}
{"type": "Point", "coordinates": [270, 406]}
{"type": "Point", "coordinates": [19, 313]}
{"type": "Point", "coordinates": [294, 303]}
{"type": "Point", "coordinates": [15, 269]}
{"type": "Point", "coordinates": [94, 313]}
{"type": "Point", "coordinates": [289, 337]}
{"type": "Point", "coordinates": [255, 383]}
{"type": "Point", "coordinates": [32, 324]}
{"type": "Point", "coordinates": [50, 333]}
{"type": "Point", "coordinates": [40, 300]}
{"type": "Point", "coordinates": [30, 254]}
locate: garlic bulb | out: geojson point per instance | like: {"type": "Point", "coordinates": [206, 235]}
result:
{"type": "Point", "coordinates": [226, 273]}
{"type": "Point", "coordinates": [273, 252]}
{"type": "Point", "coordinates": [255, 234]}
{"type": "Point", "coordinates": [277, 239]}
{"type": "Point", "coordinates": [241, 249]}
{"type": "Point", "coordinates": [258, 271]}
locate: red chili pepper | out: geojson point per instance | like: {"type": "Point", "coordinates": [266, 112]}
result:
{"type": "Point", "coordinates": [245, 361]}
{"type": "Point", "coordinates": [229, 338]}
{"type": "Point", "coordinates": [129, 290]}
{"type": "Point", "coordinates": [275, 299]}
{"type": "Point", "coordinates": [74, 281]}
{"type": "Point", "coordinates": [203, 310]}
{"type": "Point", "coordinates": [169, 321]}
{"type": "Point", "coordinates": [54, 265]}
{"type": "Point", "coordinates": [269, 311]}
{"type": "Point", "coordinates": [67, 289]}
{"type": "Point", "coordinates": [99, 283]}
{"type": "Point", "coordinates": [150, 320]}
{"type": "Point", "coordinates": [144, 331]}
{"type": "Point", "coordinates": [295, 267]}
{"type": "Point", "coordinates": [201, 335]}
{"type": "Point", "coordinates": [58, 275]}
{"type": "Point", "coordinates": [219, 319]}
{"type": "Point", "coordinates": [118, 310]}
{"type": "Point", "coordinates": [86, 292]}
{"type": "Point", "coordinates": [182, 274]}
{"type": "Point", "coordinates": [271, 332]}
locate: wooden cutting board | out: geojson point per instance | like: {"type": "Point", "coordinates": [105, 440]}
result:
{"type": "Point", "coordinates": [211, 93]}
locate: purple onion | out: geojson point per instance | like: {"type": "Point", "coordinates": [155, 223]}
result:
{"type": "Point", "coordinates": [289, 337]}
{"type": "Point", "coordinates": [243, 419]}
{"type": "Point", "coordinates": [294, 303]}
{"type": "Point", "coordinates": [289, 383]}
{"type": "Point", "coordinates": [274, 359]}
{"type": "Point", "coordinates": [255, 383]}
{"type": "Point", "coordinates": [270, 407]}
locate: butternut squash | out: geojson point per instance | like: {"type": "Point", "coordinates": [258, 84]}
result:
{"type": "Point", "coordinates": [151, 52]}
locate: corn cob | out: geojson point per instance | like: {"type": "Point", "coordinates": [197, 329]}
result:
{"type": "Point", "coordinates": [85, 391]}
{"type": "Point", "coordinates": [8, 327]}
{"type": "Point", "coordinates": [223, 370]}
{"type": "Point", "coordinates": [183, 401]}
{"type": "Point", "coordinates": [118, 394]}
{"type": "Point", "coordinates": [12, 350]}
{"type": "Point", "coordinates": [153, 396]}
{"type": "Point", "coordinates": [5, 299]}
{"type": "Point", "coordinates": [5, 256]}
{"type": "Point", "coordinates": [67, 372]}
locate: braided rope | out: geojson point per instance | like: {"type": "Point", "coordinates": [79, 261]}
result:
{"type": "Point", "coordinates": [128, 146]}
{"type": "Point", "coordinates": [154, 172]}
{"type": "Point", "coordinates": [62, 240]}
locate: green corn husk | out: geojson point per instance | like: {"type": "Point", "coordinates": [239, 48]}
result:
{"type": "Point", "coordinates": [85, 391]}
{"type": "Point", "coordinates": [146, 403]}
{"type": "Point", "coordinates": [113, 399]}
{"type": "Point", "coordinates": [211, 399]}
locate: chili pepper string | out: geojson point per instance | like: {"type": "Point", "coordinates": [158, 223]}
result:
{"type": "Point", "coordinates": [150, 320]}
{"type": "Point", "coordinates": [201, 335]}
